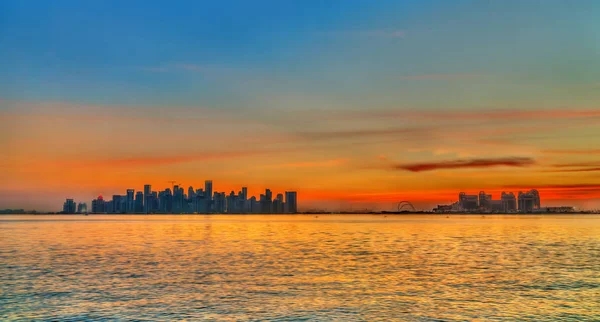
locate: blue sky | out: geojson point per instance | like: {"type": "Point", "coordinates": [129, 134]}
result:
{"type": "Point", "coordinates": [105, 51]}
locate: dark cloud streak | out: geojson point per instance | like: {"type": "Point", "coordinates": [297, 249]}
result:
{"type": "Point", "coordinates": [465, 164]}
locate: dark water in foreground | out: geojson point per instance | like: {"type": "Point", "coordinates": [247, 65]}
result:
{"type": "Point", "coordinates": [287, 268]}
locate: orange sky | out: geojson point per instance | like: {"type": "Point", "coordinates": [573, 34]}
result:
{"type": "Point", "coordinates": [346, 160]}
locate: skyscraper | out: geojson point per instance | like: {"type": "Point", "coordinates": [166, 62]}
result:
{"type": "Point", "coordinates": [208, 194]}
{"type": "Point", "coordinates": [139, 202]}
{"type": "Point", "coordinates": [244, 194]}
{"type": "Point", "coordinates": [98, 205]}
{"type": "Point", "coordinates": [147, 192]}
{"type": "Point", "coordinates": [69, 206]}
{"type": "Point", "coordinates": [291, 202]}
{"type": "Point", "coordinates": [81, 207]}
{"type": "Point", "coordinates": [208, 189]}
{"type": "Point", "coordinates": [130, 205]}
{"type": "Point", "coordinates": [509, 202]}
{"type": "Point", "coordinates": [529, 201]}
{"type": "Point", "coordinates": [468, 202]}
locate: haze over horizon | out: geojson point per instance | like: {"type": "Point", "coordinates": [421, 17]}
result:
{"type": "Point", "coordinates": [353, 104]}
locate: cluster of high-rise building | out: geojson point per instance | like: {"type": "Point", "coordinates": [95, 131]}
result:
{"type": "Point", "coordinates": [525, 202]}
{"type": "Point", "coordinates": [202, 201]}
{"type": "Point", "coordinates": [71, 207]}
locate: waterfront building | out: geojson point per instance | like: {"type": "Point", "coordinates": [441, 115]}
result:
{"type": "Point", "coordinates": [529, 201]}
{"type": "Point", "coordinates": [139, 202]}
{"type": "Point", "coordinates": [129, 203]}
{"type": "Point", "coordinates": [485, 201]}
{"type": "Point", "coordinates": [468, 202]}
{"type": "Point", "coordinates": [98, 205]}
{"type": "Point", "coordinates": [82, 208]}
{"type": "Point", "coordinates": [195, 201]}
{"type": "Point", "coordinates": [291, 202]}
{"type": "Point", "coordinates": [69, 206]}
{"type": "Point", "coordinates": [509, 202]}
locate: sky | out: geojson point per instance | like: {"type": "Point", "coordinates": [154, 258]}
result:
{"type": "Point", "coordinates": [354, 104]}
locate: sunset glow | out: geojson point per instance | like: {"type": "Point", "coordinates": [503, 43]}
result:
{"type": "Point", "coordinates": [353, 105]}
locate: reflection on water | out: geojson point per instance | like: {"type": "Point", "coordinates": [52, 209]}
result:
{"type": "Point", "coordinates": [300, 267]}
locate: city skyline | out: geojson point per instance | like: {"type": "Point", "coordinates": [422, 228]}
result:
{"type": "Point", "coordinates": [196, 201]}
{"type": "Point", "coordinates": [354, 104]}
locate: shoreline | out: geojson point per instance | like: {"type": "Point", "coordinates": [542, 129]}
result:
{"type": "Point", "coordinates": [384, 213]}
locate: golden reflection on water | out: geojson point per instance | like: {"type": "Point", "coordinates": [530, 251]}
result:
{"type": "Point", "coordinates": [300, 267]}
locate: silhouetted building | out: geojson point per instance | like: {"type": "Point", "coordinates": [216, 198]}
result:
{"type": "Point", "coordinates": [98, 205]}
{"type": "Point", "coordinates": [129, 201]}
{"type": "Point", "coordinates": [468, 202]}
{"type": "Point", "coordinates": [529, 201]}
{"type": "Point", "coordinates": [509, 202]}
{"type": "Point", "coordinates": [199, 201]}
{"type": "Point", "coordinates": [69, 206]}
{"type": "Point", "coordinates": [117, 202]}
{"type": "Point", "coordinates": [291, 202]}
{"type": "Point", "coordinates": [485, 201]}
{"type": "Point", "coordinates": [147, 192]}
{"type": "Point", "coordinates": [139, 202]}
{"type": "Point", "coordinates": [82, 208]}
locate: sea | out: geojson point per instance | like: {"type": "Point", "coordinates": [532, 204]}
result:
{"type": "Point", "coordinates": [300, 268]}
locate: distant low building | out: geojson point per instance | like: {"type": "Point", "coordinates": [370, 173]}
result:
{"type": "Point", "coordinates": [559, 210]}
{"type": "Point", "coordinates": [443, 209]}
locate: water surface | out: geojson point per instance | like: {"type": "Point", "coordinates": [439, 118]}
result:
{"type": "Point", "coordinates": [287, 268]}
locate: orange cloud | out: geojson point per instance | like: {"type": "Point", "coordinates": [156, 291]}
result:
{"type": "Point", "coordinates": [575, 152]}
{"type": "Point", "coordinates": [440, 76]}
{"type": "Point", "coordinates": [471, 163]}
{"type": "Point", "coordinates": [166, 160]}
{"type": "Point", "coordinates": [314, 164]}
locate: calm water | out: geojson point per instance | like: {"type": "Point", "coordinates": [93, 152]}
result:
{"type": "Point", "coordinates": [286, 268]}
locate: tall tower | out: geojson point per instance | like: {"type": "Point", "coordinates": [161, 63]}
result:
{"type": "Point", "coordinates": [291, 202]}
{"type": "Point", "coordinates": [208, 189]}
{"type": "Point", "coordinates": [129, 205]}
{"type": "Point", "coordinates": [147, 193]}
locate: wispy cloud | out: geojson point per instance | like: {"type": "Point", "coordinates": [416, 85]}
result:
{"type": "Point", "coordinates": [440, 76]}
{"type": "Point", "coordinates": [155, 69]}
{"type": "Point", "coordinates": [189, 67]}
{"type": "Point", "coordinates": [347, 134]}
{"type": "Point", "coordinates": [154, 160]}
{"type": "Point", "coordinates": [593, 187]}
{"type": "Point", "coordinates": [484, 114]}
{"type": "Point", "coordinates": [575, 170]}
{"type": "Point", "coordinates": [575, 152]}
{"type": "Point", "coordinates": [464, 164]}
{"type": "Point", "coordinates": [374, 33]}
{"type": "Point", "coordinates": [575, 167]}
{"type": "Point", "coordinates": [312, 164]}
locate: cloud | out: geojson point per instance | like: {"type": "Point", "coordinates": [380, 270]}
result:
{"type": "Point", "coordinates": [150, 161]}
{"type": "Point", "coordinates": [440, 76]}
{"type": "Point", "coordinates": [468, 163]}
{"type": "Point", "coordinates": [381, 33]}
{"type": "Point", "coordinates": [346, 134]}
{"type": "Point", "coordinates": [560, 187]}
{"type": "Point", "coordinates": [575, 167]}
{"type": "Point", "coordinates": [481, 114]}
{"type": "Point", "coordinates": [581, 151]}
{"type": "Point", "coordinates": [313, 164]}
{"type": "Point", "coordinates": [575, 170]}
{"type": "Point", "coordinates": [188, 67]}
